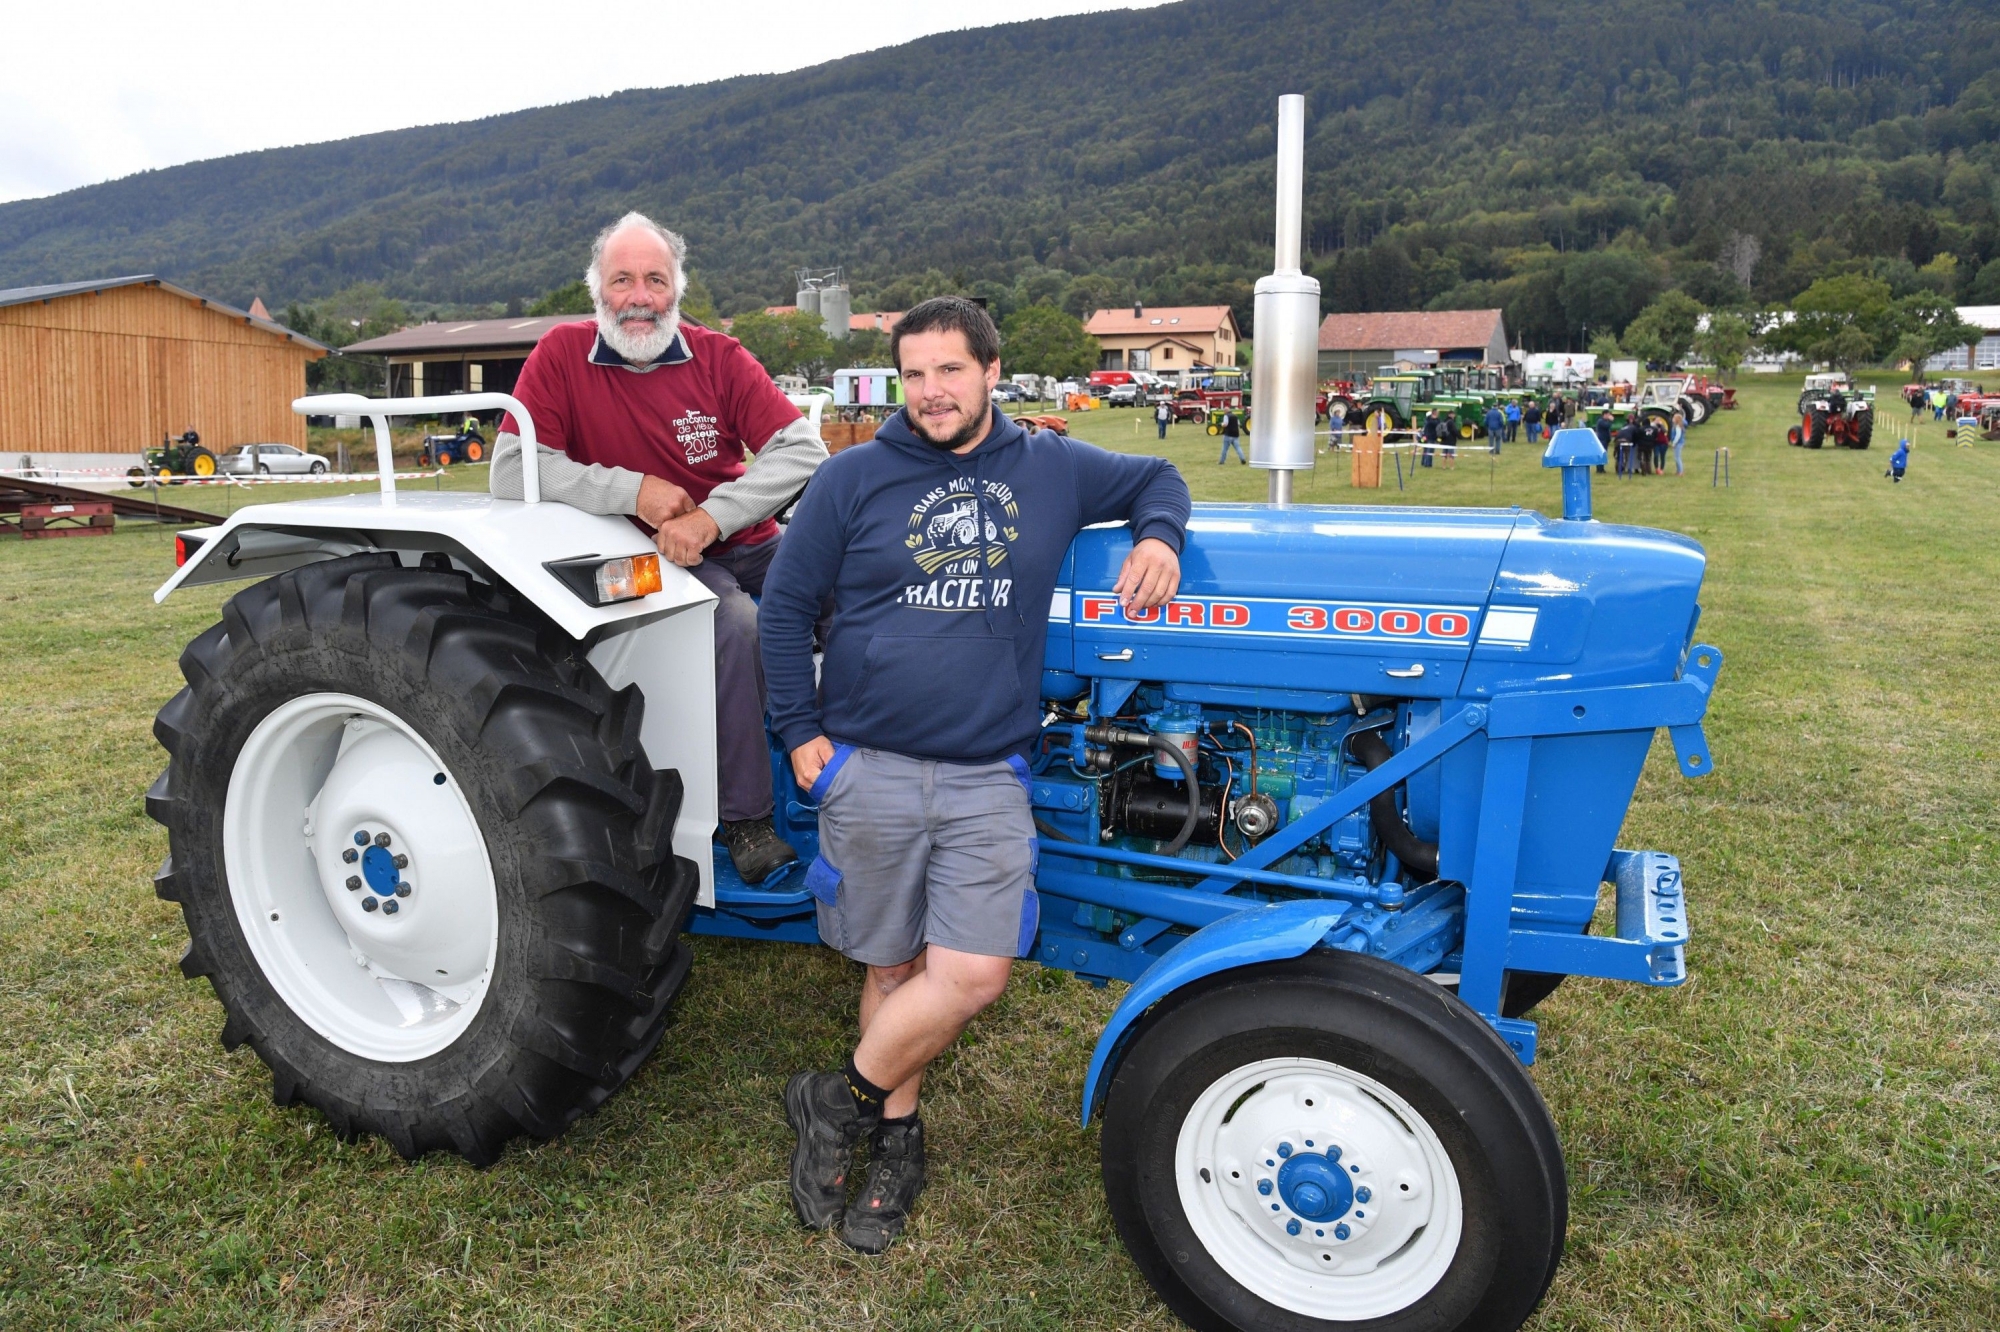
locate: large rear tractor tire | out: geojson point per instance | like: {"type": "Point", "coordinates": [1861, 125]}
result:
{"type": "Point", "coordinates": [1332, 1143]}
{"type": "Point", "coordinates": [422, 857]}
{"type": "Point", "coordinates": [1695, 408]}
{"type": "Point", "coordinates": [1816, 430]}
{"type": "Point", "coordinates": [1380, 420]}
{"type": "Point", "coordinates": [1864, 429]}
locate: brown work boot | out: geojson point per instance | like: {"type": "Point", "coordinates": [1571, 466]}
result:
{"type": "Point", "coordinates": [755, 848]}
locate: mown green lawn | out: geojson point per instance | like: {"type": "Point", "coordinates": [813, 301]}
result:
{"type": "Point", "coordinates": [1807, 1135]}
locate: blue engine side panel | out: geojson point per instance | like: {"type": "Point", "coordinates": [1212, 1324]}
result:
{"type": "Point", "coordinates": [1312, 598]}
{"type": "Point", "coordinates": [1578, 605]}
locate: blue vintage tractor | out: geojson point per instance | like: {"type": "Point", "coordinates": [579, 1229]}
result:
{"type": "Point", "coordinates": [441, 804]}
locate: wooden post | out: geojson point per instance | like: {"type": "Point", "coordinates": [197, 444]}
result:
{"type": "Point", "coordinates": [1367, 461]}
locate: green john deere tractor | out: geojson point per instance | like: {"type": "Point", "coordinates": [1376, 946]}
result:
{"type": "Point", "coordinates": [177, 458]}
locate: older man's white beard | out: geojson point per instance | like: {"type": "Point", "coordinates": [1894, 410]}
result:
{"type": "Point", "coordinates": [641, 348]}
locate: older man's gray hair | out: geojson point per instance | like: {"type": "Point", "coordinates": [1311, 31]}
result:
{"type": "Point", "coordinates": [593, 277]}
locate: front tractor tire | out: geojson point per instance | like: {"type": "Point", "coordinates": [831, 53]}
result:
{"type": "Point", "coordinates": [421, 855]}
{"type": "Point", "coordinates": [1332, 1143]}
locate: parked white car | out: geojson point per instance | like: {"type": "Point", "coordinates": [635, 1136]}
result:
{"type": "Point", "coordinates": [271, 460]}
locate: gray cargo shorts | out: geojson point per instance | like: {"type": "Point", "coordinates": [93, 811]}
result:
{"type": "Point", "coordinates": [915, 852]}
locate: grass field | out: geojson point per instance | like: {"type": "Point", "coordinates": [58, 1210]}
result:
{"type": "Point", "coordinates": [1807, 1135]}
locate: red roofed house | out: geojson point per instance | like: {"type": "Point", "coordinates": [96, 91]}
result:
{"type": "Point", "coordinates": [1163, 338]}
{"type": "Point", "coordinates": [880, 321]}
{"type": "Point", "coordinates": [1351, 344]}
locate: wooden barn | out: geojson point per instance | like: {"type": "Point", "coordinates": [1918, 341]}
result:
{"type": "Point", "coordinates": [93, 372]}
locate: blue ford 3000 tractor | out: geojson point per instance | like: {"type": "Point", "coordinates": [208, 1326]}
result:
{"type": "Point", "coordinates": [441, 804]}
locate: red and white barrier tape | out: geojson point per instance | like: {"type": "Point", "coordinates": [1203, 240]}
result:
{"type": "Point", "coordinates": [58, 475]}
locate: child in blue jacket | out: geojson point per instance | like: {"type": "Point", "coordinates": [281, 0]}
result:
{"type": "Point", "coordinates": [1899, 460]}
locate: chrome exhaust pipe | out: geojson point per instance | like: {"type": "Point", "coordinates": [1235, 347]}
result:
{"type": "Point", "coordinates": [1284, 374]}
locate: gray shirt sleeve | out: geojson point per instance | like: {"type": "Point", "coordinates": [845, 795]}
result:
{"type": "Point", "coordinates": [784, 465]}
{"type": "Point", "coordinates": [588, 486]}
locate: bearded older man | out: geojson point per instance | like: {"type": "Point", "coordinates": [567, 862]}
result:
{"type": "Point", "coordinates": [645, 414]}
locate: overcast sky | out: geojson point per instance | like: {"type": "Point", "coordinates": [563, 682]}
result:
{"type": "Point", "coordinates": [95, 91]}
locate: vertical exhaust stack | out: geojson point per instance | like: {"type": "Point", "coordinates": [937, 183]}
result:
{"type": "Point", "coordinates": [1284, 372]}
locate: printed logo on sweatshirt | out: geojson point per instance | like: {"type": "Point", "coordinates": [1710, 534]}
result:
{"type": "Point", "coordinates": [958, 537]}
{"type": "Point", "coordinates": [697, 435]}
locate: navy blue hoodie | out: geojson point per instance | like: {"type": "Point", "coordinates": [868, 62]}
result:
{"type": "Point", "coordinates": [937, 639]}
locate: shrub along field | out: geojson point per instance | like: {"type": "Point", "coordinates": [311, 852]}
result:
{"type": "Point", "coordinates": [1804, 1136]}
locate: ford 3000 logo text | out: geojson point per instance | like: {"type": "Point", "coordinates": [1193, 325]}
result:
{"type": "Point", "coordinates": [1333, 619]}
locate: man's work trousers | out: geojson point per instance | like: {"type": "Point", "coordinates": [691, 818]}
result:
{"type": "Point", "coordinates": [742, 754]}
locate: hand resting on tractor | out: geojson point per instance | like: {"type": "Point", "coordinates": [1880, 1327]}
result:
{"type": "Point", "coordinates": [1149, 577]}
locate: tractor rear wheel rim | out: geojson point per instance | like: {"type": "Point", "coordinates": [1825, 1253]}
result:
{"type": "Point", "coordinates": [1318, 1188]}
{"type": "Point", "coordinates": [396, 967]}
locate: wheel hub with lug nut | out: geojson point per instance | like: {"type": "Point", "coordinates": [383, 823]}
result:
{"type": "Point", "coordinates": [339, 925]}
{"type": "Point", "coordinates": [1319, 1188]}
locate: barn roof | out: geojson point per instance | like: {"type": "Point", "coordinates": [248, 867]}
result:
{"type": "Point", "coordinates": [518, 331]}
{"type": "Point", "coordinates": [57, 290]}
{"type": "Point", "coordinates": [1399, 329]}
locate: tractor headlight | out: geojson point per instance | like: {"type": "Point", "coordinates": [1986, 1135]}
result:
{"type": "Point", "coordinates": [602, 582]}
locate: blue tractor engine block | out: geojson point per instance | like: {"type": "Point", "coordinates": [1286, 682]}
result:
{"type": "Point", "coordinates": [1257, 770]}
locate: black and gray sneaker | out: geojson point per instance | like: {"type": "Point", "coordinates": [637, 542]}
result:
{"type": "Point", "coordinates": [895, 1178]}
{"type": "Point", "coordinates": [821, 1111]}
{"type": "Point", "coordinates": [755, 848]}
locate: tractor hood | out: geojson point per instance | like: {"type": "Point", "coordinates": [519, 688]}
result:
{"type": "Point", "coordinates": [1415, 602]}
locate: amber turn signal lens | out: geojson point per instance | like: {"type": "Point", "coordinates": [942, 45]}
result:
{"type": "Point", "coordinates": [628, 578]}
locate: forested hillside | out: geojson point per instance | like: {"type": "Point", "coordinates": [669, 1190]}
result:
{"type": "Point", "coordinates": [1567, 160]}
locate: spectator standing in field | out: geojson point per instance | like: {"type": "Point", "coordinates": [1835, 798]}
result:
{"type": "Point", "coordinates": [1532, 418]}
{"type": "Point", "coordinates": [1496, 427]}
{"type": "Point", "coordinates": [1513, 419]}
{"type": "Point", "coordinates": [1627, 442]}
{"type": "Point", "coordinates": [1899, 461]}
{"type": "Point", "coordinates": [1232, 438]}
{"type": "Point", "coordinates": [1162, 414]}
{"type": "Point", "coordinates": [1603, 428]}
{"type": "Point", "coordinates": [912, 731]}
{"type": "Point", "coordinates": [1937, 404]}
{"type": "Point", "coordinates": [1430, 435]}
{"type": "Point", "coordinates": [1660, 433]}
{"type": "Point", "coordinates": [1678, 438]}
{"type": "Point", "coordinates": [1951, 405]}
{"type": "Point", "coordinates": [1917, 405]}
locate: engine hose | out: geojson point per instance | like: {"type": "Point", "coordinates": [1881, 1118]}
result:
{"type": "Point", "coordinates": [1186, 834]}
{"type": "Point", "coordinates": [1414, 852]}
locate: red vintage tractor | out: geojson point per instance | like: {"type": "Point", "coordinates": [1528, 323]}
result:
{"type": "Point", "coordinates": [1832, 410]}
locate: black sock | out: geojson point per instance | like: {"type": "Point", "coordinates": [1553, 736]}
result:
{"type": "Point", "coordinates": [868, 1098]}
{"type": "Point", "coordinates": [901, 1121]}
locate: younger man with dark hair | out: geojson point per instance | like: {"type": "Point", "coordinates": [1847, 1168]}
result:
{"type": "Point", "coordinates": [939, 541]}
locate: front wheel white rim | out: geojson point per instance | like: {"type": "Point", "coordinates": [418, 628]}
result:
{"type": "Point", "coordinates": [1319, 1189]}
{"type": "Point", "coordinates": [360, 878]}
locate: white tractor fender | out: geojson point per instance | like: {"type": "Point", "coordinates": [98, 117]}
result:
{"type": "Point", "coordinates": [663, 642]}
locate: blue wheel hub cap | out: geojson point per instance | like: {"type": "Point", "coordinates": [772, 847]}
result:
{"type": "Point", "coordinates": [1314, 1187]}
{"type": "Point", "coordinates": [378, 867]}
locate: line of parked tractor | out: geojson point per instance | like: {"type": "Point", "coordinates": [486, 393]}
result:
{"type": "Point", "coordinates": [1394, 399]}
{"type": "Point", "coordinates": [1833, 410]}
